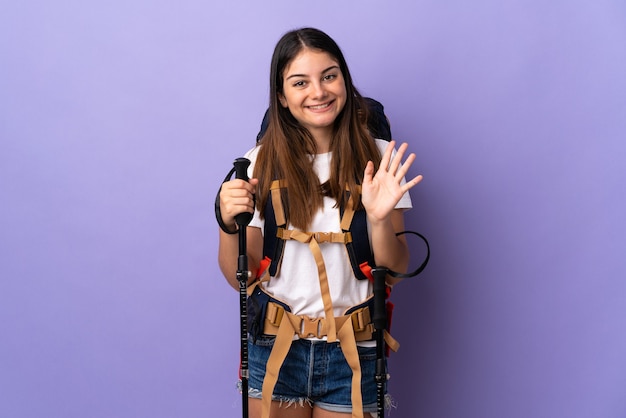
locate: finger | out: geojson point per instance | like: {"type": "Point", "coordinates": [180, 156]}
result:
{"type": "Point", "coordinates": [386, 158]}
{"type": "Point", "coordinates": [404, 168]}
{"type": "Point", "coordinates": [413, 182]}
{"type": "Point", "coordinates": [233, 207]}
{"type": "Point", "coordinates": [395, 165]}
{"type": "Point", "coordinates": [249, 186]}
{"type": "Point", "coordinates": [368, 173]}
{"type": "Point", "coordinates": [238, 187]}
{"type": "Point", "coordinates": [397, 158]}
{"type": "Point", "coordinates": [235, 194]}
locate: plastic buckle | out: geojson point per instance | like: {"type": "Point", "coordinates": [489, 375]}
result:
{"type": "Point", "coordinates": [358, 322]}
{"type": "Point", "coordinates": [274, 314]}
{"type": "Point", "coordinates": [310, 327]}
{"type": "Point", "coordinates": [322, 236]}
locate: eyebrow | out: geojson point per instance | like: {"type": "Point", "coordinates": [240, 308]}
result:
{"type": "Point", "coordinates": [332, 67]}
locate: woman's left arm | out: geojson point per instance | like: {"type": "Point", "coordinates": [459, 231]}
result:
{"type": "Point", "coordinates": [381, 192]}
{"type": "Point", "coordinates": [390, 250]}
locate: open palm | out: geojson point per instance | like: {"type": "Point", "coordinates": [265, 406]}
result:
{"type": "Point", "coordinates": [381, 191]}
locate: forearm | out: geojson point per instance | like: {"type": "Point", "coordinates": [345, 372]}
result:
{"type": "Point", "coordinates": [228, 254]}
{"type": "Point", "coordinates": [237, 197]}
{"type": "Point", "coordinates": [390, 251]}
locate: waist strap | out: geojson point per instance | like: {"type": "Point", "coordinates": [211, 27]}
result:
{"type": "Point", "coordinates": [350, 328]}
{"type": "Point", "coordinates": [306, 327]}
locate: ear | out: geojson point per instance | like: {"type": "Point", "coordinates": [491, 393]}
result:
{"type": "Point", "coordinates": [282, 100]}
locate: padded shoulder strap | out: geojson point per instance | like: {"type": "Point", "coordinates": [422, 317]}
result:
{"type": "Point", "coordinates": [358, 247]}
{"type": "Point", "coordinates": [274, 218]}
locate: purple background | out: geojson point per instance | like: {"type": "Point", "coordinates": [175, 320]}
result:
{"type": "Point", "coordinates": [119, 119]}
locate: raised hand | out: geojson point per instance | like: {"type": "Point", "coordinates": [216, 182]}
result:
{"type": "Point", "coordinates": [381, 191]}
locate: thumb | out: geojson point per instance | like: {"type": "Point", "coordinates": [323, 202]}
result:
{"type": "Point", "coordinates": [368, 173]}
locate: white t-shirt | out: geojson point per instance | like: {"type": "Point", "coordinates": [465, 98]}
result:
{"type": "Point", "coordinates": [297, 282]}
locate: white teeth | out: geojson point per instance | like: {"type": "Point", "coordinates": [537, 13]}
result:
{"type": "Point", "coordinates": [322, 106]}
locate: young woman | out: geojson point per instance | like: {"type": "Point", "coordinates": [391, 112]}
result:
{"type": "Point", "coordinates": [318, 146]}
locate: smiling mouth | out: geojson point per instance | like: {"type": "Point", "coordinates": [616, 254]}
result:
{"type": "Point", "coordinates": [320, 106]}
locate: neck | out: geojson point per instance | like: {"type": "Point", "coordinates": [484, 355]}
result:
{"type": "Point", "coordinates": [322, 141]}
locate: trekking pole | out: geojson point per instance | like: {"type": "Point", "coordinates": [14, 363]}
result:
{"type": "Point", "coordinates": [242, 220]}
{"type": "Point", "coordinates": [380, 324]}
{"type": "Point", "coordinates": [379, 319]}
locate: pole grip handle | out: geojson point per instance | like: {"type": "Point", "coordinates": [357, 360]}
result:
{"type": "Point", "coordinates": [241, 172]}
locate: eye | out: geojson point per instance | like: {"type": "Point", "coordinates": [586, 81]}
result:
{"type": "Point", "coordinates": [299, 83]}
{"type": "Point", "coordinates": [329, 77]}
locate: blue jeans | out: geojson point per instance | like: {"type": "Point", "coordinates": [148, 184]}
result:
{"type": "Point", "coordinates": [315, 372]}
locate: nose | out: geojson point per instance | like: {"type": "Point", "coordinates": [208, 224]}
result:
{"type": "Point", "coordinates": [317, 90]}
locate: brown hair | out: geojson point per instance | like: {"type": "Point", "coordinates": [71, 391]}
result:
{"type": "Point", "coordinates": [287, 146]}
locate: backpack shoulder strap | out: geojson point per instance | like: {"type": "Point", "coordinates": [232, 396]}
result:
{"type": "Point", "coordinates": [274, 218]}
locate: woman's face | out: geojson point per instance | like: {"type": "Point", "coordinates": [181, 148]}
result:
{"type": "Point", "coordinates": [314, 91]}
